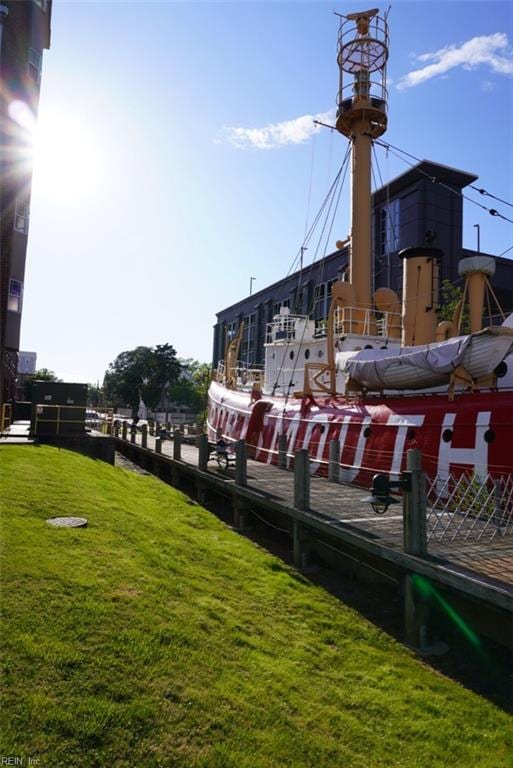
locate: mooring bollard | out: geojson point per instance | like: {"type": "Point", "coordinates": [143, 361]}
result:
{"type": "Point", "coordinates": [282, 451]}
{"type": "Point", "coordinates": [124, 430]}
{"type": "Point", "coordinates": [199, 432]}
{"type": "Point", "coordinates": [241, 463]}
{"type": "Point", "coordinates": [158, 445]}
{"type": "Point", "coordinates": [203, 452]}
{"type": "Point", "coordinates": [133, 432]}
{"type": "Point", "coordinates": [116, 430]}
{"type": "Point", "coordinates": [144, 435]}
{"type": "Point", "coordinates": [177, 445]}
{"type": "Point", "coordinates": [152, 429]}
{"type": "Point", "coordinates": [334, 462]}
{"type": "Point", "coordinates": [301, 479]}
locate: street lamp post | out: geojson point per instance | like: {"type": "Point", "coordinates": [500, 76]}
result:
{"type": "Point", "coordinates": [478, 227]}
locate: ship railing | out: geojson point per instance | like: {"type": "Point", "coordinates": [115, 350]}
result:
{"type": "Point", "coordinates": [220, 371]}
{"type": "Point", "coordinates": [285, 328]}
{"type": "Point", "coordinates": [244, 375]}
{"type": "Point", "coordinates": [367, 322]}
{"type": "Point", "coordinates": [375, 93]}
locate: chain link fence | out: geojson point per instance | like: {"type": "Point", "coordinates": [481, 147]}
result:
{"type": "Point", "coordinates": [469, 508]}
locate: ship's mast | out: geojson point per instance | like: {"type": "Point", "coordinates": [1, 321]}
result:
{"type": "Point", "coordinates": [362, 116]}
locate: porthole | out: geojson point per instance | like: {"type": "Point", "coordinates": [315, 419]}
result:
{"type": "Point", "coordinates": [489, 436]}
{"type": "Point", "coordinates": [307, 354]}
{"type": "Point", "coordinates": [291, 354]}
{"type": "Point", "coordinates": [410, 435]}
{"type": "Point", "coordinates": [367, 432]}
{"type": "Point", "coordinates": [447, 435]}
{"type": "Point", "coordinates": [501, 370]}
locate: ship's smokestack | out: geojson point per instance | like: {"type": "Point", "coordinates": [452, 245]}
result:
{"type": "Point", "coordinates": [420, 294]}
{"type": "Point", "coordinates": [476, 270]}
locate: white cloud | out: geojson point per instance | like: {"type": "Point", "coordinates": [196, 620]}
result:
{"type": "Point", "coordinates": [493, 51]}
{"type": "Point", "coordinates": [276, 135]}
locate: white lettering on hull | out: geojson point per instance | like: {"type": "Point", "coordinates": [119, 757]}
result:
{"type": "Point", "coordinates": [291, 435]}
{"type": "Point", "coordinates": [476, 457]}
{"type": "Point", "coordinates": [403, 423]}
{"type": "Point", "coordinates": [349, 474]}
{"type": "Point", "coordinates": [323, 419]}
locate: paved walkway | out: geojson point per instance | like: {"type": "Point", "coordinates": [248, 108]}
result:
{"type": "Point", "coordinates": [18, 432]}
{"type": "Point", "coordinates": [344, 506]}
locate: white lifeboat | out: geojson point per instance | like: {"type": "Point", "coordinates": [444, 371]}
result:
{"type": "Point", "coordinates": [429, 365]}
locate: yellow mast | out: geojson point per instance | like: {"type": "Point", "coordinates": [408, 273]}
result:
{"type": "Point", "coordinates": [362, 116]}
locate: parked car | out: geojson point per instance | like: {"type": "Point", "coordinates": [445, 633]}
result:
{"type": "Point", "coordinates": [92, 418]}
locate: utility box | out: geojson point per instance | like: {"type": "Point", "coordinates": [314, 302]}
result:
{"type": "Point", "coordinates": [58, 408]}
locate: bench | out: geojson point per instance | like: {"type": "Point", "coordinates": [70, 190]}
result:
{"type": "Point", "coordinates": [225, 457]}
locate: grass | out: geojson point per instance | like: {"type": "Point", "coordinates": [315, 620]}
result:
{"type": "Point", "coordinates": [158, 637]}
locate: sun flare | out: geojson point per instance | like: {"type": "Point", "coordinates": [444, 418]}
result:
{"type": "Point", "coordinates": [66, 159]}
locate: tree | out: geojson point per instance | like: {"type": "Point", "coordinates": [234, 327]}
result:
{"type": "Point", "coordinates": [42, 374]}
{"type": "Point", "coordinates": [141, 372]}
{"type": "Point", "coordinates": [94, 395]}
{"type": "Point", "coordinates": [451, 297]}
{"type": "Point", "coordinates": [191, 389]}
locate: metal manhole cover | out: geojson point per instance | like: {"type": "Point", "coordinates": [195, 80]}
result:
{"type": "Point", "coordinates": [67, 522]}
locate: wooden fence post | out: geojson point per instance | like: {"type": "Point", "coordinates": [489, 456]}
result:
{"type": "Point", "coordinates": [133, 432]}
{"type": "Point", "coordinates": [334, 462]}
{"type": "Point", "coordinates": [177, 445]}
{"type": "Point", "coordinates": [203, 452]}
{"type": "Point", "coordinates": [241, 463]}
{"type": "Point", "coordinates": [414, 507]}
{"type": "Point", "coordinates": [158, 445]}
{"type": "Point", "coordinates": [301, 479]}
{"type": "Point", "coordinates": [144, 436]}
{"type": "Point", "coordinates": [124, 430]}
{"type": "Point", "coordinates": [301, 546]}
{"type": "Point", "coordinates": [282, 451]}
{"type": "Point", "coordinates": [417, 613]}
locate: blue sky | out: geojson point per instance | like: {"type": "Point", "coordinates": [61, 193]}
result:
{"type": "Point", "coordinates": [173, 164]}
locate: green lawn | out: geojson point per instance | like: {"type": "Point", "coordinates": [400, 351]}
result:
{"type": "Point", "coordinates": [158, 637]}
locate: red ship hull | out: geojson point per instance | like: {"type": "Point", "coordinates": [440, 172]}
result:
{"type": "Point", "coordinates": [472, 433]}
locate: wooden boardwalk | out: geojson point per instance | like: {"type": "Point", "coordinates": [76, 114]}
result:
{"type": "Point", "coordinates": [343, 507]}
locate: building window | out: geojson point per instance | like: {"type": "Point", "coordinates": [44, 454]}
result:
{"type": "Point", "coordinates": [21, 216]}
{"type": "Point", "coordinates": [389, 227]}
{"type": "Point", "coordinates": [15, 295]}
{"type": "Point", "coordinates": [231, 330]}
{"type": "Point", "coordinates": [319, 309]}
{"type": "Point", "coordinates": [248, 340]}
{"type": "Point", "coordinates": [34, 65]}
{"type": "Point", "coordinates": [279, 304]}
